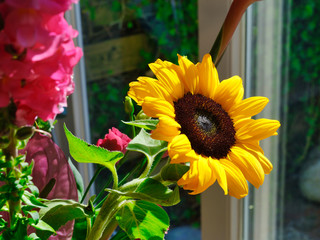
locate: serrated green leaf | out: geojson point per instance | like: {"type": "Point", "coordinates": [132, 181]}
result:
{"type": "Point", "coordinates": [59, 211]}
{"type": "Point", "coordinates": [84, 152]}
{"type": "Point", "coordinates": [150, 147]}
{"type": "Point", "coordinates": [145, 144]}
{"type": "Point", "coordinates": [148, 124]}
{"type": "Point", "coordinates": [143, 220]}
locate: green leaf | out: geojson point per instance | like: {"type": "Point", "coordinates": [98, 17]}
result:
{"type": "Point", "coordinates": [148, 124]}
{"type": "Point", "coordinates": [34, 215]}
{"type": "Point", "coordinates": [173, 172]}
{"type": "Point", "coordinates": [144, 220]}
{"type": "Point", "coordinates": [153, 191]}
{"type": "Point", "coordinates": [78, 178]}
{"type": "Point", "coordinates": [150, 147]}
{"type": "Point", "coordinates": [30, 200]}
{"type": "Point", "coordinates": [84, 152]}
{"type": "Point", "coordinates": [79, 229]}
{"type": "Point", "coordinates": [43, 226]}
{"type": "Point", "coordinates": [33, 236]}
{"type": "Point", "coordinates": [121, 235]}
{"type": "Point", "coordinates": [60, 211]}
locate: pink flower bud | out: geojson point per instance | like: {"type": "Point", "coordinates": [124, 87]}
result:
{"type": "Point", "coordinates": [114, 141]}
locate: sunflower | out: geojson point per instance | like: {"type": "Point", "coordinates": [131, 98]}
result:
{"type": "Point", "coordinates": [207, 124]}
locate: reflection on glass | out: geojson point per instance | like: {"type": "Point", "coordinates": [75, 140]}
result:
{"type": "Point", "coordinates": [120, 39]}
{"type": "Point", "coordinates": [301, 194]}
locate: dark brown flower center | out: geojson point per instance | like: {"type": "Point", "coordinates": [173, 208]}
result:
{"type": "Point", "coordinates": [208, 127]}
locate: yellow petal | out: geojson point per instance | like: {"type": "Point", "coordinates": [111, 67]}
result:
{"type": "Point", "coordinates": [248, 164]}
{"type": "Point", "coordinates": [167, 129]}
{"type": "Point", "coordinates": [190, 74]}
{"type": "Point", "coordinates": [178, 148]}
{"type": "Point", "coordinates": [237, 183]}
{"type": "Point", "coordinates": [154, 106]}
{"type": "Point", "coordinates": [199, 177]}
{"type": "Point", "coordinates": [220, 173]}
{"type": "Point", "coordinates": [248, 107]}
{"type": "Point", "coordinates": [256, 151]}
{"type": "Point", "coordinates": [169, 79]}
{"type": "Point", "coordinates": [146, 86]}
{"type": "Point", "coordinates": [208, 77]}
{"type": "Point", "coordinates": [229, 92]}
{"type": "Point", "coordinates": [251, 129]}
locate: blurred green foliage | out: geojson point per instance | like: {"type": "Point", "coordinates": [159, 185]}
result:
{"type": "Point", "coordinates": [171, 26]}
{"type": "Point", "coordinates": [303, 82]}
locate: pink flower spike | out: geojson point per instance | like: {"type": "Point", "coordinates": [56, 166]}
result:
{"type": "Point", "coordinates": [114, 141]}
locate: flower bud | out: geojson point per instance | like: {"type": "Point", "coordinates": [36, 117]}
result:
{"type": "Point", "coordinates": [4, 142]}
{"type": "Point", "coordinates": [114, 141]}
{"type": "Point", "coordinates": [142, 116]}
{"type": "Point", "coordinates": [24, 133]}
{"type": "Point", "coordinates": [128, 105]}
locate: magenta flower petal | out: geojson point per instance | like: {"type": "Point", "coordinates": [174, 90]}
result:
{"type": "Point", "coordinates": [51, 163]}
{"type": "Point", "coordinates": [114, 141]}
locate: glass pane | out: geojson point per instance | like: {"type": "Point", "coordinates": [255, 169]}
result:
{"type": "Point", "coordinates": [120, 39]}
{"type": "Point", "coordinates": [290, 66]}
{"type": "Point", "coordinates": [301, 143]}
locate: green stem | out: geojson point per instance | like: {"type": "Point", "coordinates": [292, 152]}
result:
{"type": "Point", "coordinates": [99, 169]}
{"type": "Point", "coordinates": [11, 153]}
{"type": "Point", "coordinates": [133, 127]}
{"type": "Point", "coordinates": [147, 169]}
{"type": "Point", "coordinates": [88, 225]}
{"type": "Point", "coordinates": [115, 177]}
{"type": "Point", "coordinates": [109, 229]}
{"type": "Point", "coordinates": [104, 224]}
{"type": "Point", "coordinates": [105, 217]}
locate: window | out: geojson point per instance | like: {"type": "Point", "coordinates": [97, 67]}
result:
{"type": "Point", "coordinates": [274, 50]}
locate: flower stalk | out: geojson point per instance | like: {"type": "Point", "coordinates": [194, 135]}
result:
{"type": "Point", "coordinates": [237, 9]}
{"type": "Point", "coordinates": [105, 216]}
{"type": "Point", "coordinates": [11, 153]}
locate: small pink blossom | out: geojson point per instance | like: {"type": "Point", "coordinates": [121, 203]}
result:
{"type": "Point", "coordinates": [114, 141]}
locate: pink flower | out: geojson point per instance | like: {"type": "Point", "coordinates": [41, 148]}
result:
{"type": "Point", "coordinates": [114, 141]}
{"type": "Point", "coordinates": [37, 58]}
{"type": "Point", "coordinates": [48, 6]}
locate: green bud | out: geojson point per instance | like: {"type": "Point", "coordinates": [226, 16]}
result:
{"type": "Point", "coordinates": [4, 142]}
{"type": "Point", "coordinates": [128, 105]}
{"type": "Point", "coordinates": [24, 133]}
{"type": "Point", "coordinates": [142, 116]}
